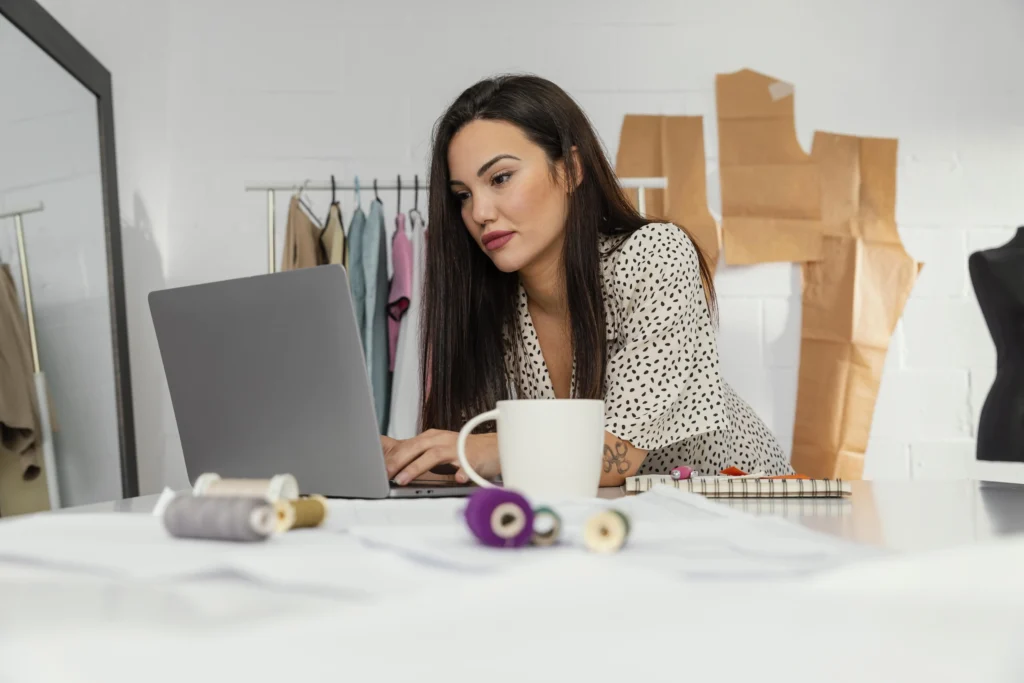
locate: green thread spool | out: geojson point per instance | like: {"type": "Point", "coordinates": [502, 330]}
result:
{"type": "Point", "coordinates": [547, 527]}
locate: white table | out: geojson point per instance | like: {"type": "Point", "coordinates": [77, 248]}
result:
{"type": "Point", "coordinates": [900, 515]}
{"type": "Point", "coordinates": [630, 624]}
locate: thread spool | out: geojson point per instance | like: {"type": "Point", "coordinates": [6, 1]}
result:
{"type": "Point", "coordinates": [284, 514]}
{"type": "Point", "coordinates": [500, 518]}
{"type": "Point", "coordinates": [278, 487]}
{"type": "Point", "coordinates": [309, 511]}
{"type": "Point", "coordinates": [606, 532]}
{"type": "Point", "coordinates": [219, 518]}
{"type": "Point", "coordinates": [681, 472]}
{"type": "Point", "coordinates": [547, 527]}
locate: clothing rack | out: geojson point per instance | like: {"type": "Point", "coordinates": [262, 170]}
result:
{"type": "Point", "coordinates": [641, 185]}
{"type": "Point", "coordinates": [42, 396]}
{"type": "Point", "coordinates": [272, 188]}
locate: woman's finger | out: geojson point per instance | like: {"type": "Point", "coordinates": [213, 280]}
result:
{"type": "Point", "coordinates": [401, 455]}
{"type": "Point", "coordinates": [432, 457]}
{"type": "Point", "coordinates": [387, 443]}
{"type": "Point", "coordinates": [407, 451]}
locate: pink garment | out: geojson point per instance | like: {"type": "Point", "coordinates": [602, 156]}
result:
{"type": "Point", "coordinates": [401, 285]}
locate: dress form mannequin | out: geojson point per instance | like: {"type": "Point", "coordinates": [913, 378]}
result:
{"type": "Point", "coordinates": [998, 279]}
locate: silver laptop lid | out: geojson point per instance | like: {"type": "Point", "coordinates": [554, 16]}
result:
{"type": "Point", "coordinates": [267, 375]}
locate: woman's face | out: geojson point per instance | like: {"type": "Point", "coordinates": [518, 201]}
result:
{"type": "Point", "coordinates": [512, 204]}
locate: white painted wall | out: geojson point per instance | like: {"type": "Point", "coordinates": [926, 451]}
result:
{"type": "Point", "coordinates": [212, 94]}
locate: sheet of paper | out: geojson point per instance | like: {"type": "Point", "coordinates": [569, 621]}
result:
{"type": "Point", "coordinates": [375, 548]}
{"type": "Point", "coordinates": [771, 208]}
{"type": "Point", "coordinates": [852, 300]}
{"type": "Point", "coordinates": [672, 531]}
{"type": "Point", "coordinates": [137, 547]}
{"type": "Point", "coordinates": [671, 147]}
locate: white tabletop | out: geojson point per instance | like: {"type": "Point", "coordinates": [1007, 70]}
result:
{"type": "Point", "coordinates": [899, 515]}
{"type": "Point", "coordinates": [928, 611]}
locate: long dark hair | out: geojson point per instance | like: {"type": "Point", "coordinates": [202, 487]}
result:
{"type": "Point", "coordinates": [470, 315]}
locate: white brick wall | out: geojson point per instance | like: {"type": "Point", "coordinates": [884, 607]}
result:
{"type": "Point", "coordinates": [220, 92]}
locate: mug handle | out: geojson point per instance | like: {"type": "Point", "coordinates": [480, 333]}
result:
{"type": "Point", "coordinates": [461, 446]}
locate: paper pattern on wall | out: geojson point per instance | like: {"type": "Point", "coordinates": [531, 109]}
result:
{"type": "Point", "coordinates": [671, 147]}
{"type": "Point", "coordinates": [852, 300]}
{"type": "Point", "coordinates": [771, 208]}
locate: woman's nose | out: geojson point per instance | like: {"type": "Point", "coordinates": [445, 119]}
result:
{"type": "Point", "coordinates": [484, 211]}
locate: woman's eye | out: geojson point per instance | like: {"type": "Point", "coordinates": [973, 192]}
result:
{"type": "Point", "coordinates": [462, 196]}
{"type": "Point", "coordinates": [502, 178]}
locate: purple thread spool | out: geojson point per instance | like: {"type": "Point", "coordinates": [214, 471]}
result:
{"type": "Point", "coordinates": [500, 518]}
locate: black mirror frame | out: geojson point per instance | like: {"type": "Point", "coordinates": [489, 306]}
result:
{"type": "Point", "coordinates": [42, 29]}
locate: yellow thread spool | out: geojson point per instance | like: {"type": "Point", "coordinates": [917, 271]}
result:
{"type": "Point", "coordinates": [309, 512]}
{"type": "Point", "coordinates": [606, 532]}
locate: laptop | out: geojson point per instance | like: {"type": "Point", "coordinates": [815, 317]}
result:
{"type": "Point", "coordinates": [267, 376]}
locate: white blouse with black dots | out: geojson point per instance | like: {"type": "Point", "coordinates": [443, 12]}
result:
{"type": "Point", "coordinates": [663, 392]}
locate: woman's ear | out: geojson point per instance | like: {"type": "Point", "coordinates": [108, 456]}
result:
{"type": "Point", "coordinates": [577, 164]}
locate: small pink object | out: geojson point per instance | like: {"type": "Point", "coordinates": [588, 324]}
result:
{"type": "Point", "coordinates": [681, 472]}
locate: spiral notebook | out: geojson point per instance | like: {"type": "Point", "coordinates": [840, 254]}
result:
{"type": "Point", "coordinates": [744, 487]}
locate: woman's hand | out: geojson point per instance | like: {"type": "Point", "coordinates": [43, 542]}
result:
{"type": "Point", "coordinates": [410, 458]}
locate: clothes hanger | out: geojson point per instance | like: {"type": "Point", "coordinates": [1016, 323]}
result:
{"type": "Point", "coordinates": [299, 191]}
{"type": "Point", "coordinates": [398, 204]}
{"type": "Point", "coordinates": [359, 198]}
{"type": "Point", "coordinates": [416, 199]}
{"type": "Point", "coordinates": [375, 195]}
{"type": "Point", "coordinates": [334, 199]}
{"type": "Point", "coordinates": [328, 240]}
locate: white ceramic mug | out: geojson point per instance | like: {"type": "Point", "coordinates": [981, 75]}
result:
{"type": "Point", "coordinates": [549, 449]}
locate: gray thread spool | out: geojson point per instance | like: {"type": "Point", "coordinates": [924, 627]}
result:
{"type": "Point", "coordinates": [221, 519]}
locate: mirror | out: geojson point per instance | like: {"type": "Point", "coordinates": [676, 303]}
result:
{"type": "Point", "coordinates": [56, 187]}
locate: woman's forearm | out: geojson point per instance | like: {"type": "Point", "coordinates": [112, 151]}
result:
{"type": "Point", "coordinates": [620, 460]}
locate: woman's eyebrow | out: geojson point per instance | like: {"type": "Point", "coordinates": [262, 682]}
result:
{"type": "Point", "coordinates": [492, 162]}
{"type": "Point", "coordinates": [483, 169]}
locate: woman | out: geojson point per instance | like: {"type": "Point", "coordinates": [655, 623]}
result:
{"type": "Point", "coordinates": [542, 281]}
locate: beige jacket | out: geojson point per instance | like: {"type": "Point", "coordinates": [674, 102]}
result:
{"type": "Point", "coordinates": [19, 416]}
{"type": "Point", "coordinates": [301, 240]}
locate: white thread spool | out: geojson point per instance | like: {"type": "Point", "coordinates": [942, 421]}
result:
{"type": "Point", "coordinates": [606, 531]}
{"type": "Point", "coordinates": [278, 487]}
{"type": "Point", "coordinates": [284, 516]}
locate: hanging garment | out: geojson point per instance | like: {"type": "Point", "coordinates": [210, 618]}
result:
{"type": "Point", "coordinates": [19, 413]}
{"type": "Point", "coordinates": [375, 337]}
{"type": "Point", "coordinates": [401, 286]}
{"type": "Point", "coordinates": [301, 240]}
{"type": "Point", "coordinates": [332, 239]}
{"type": "Point", "coordinates": [356, 278]}
{"type": "Point", "coordinates": [22, 494]}
{"type": "Point", "coordinates": [405, 392]}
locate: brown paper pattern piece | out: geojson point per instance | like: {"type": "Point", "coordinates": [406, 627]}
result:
{"type": "Point", "coordinates": [852, 300]}
{"type": "Point", "coordinates": [671, 147]}
{"type": "Point", "coordinates": [771, 206]}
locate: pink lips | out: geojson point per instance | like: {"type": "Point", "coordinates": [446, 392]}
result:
{"type": "Point", "coordinates": [496, 240]}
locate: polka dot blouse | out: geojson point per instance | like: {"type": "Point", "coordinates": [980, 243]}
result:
{"type": "Point", "coordinates": [663, 391]}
